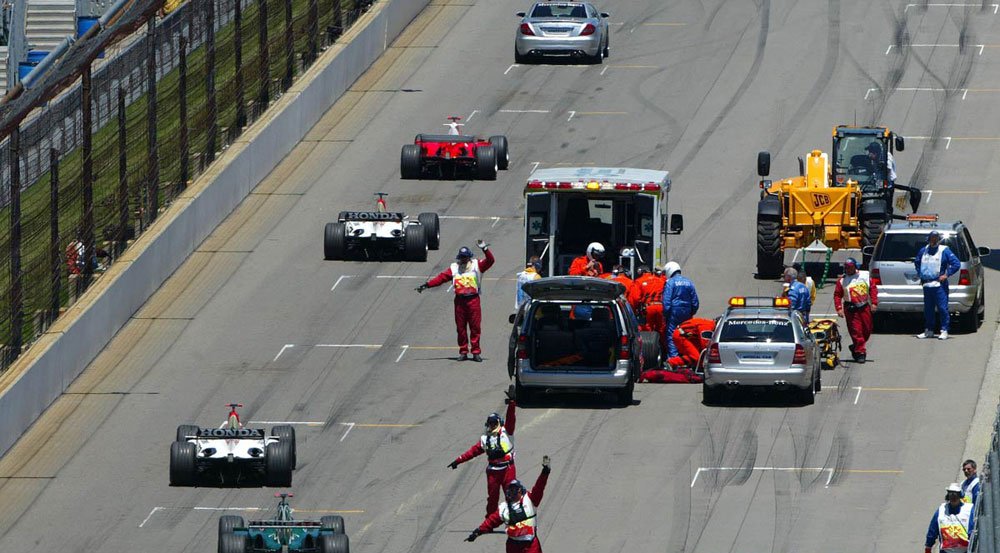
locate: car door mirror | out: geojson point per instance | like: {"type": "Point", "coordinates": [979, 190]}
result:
{"type": "Point", "coordinates": [605, 15]}
{"type": "Point", "coordinates": [676, 223]}
{"type": "Point", "coordinates": [763, 163]}
{"type": "Point", "coordinates": [511, 318]}
{"type": "Point", "coordinates": [519, 14]}
{"type": "Point", "coordinates": [983, 251]}
{"type": "Point", "coordinates": [868, 250]}
{"type": "Point", "coordinates": [706, 334]}
{"type": "Point", "coordinates": [899, 142]}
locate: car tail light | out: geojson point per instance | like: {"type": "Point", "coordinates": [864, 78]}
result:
{"type": "Point", "coordinates": [876, 277]}
{"type": "Point", "coordinates": [800, 355]}
{"type": "Point", "coordinates": [623, 352]}
{"type": "Point", "coordinates": [963, 278]}
{"type": "Point", "coordinates": [588, 29]}
{"type": "Point", "coordinates": [526, 30]}
{"type": "Point", "coordinates": [713, 354]}
{"type": "Point", "coordinates": [521, 350]}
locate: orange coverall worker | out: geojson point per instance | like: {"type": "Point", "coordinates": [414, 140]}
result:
{"type": "Point", "coordinates": [580, 265]}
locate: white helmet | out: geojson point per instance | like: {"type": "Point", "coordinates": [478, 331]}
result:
{"type": "Point", "coordinates": [595, 251]}
{"type": "Point", "coordinates": [670, 268]}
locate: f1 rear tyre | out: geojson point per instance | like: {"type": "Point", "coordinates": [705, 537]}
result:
{"type": "Point", "coordinates": [332, 523]}
{"type": "Point", "coordinates": [409, 162]}
{"type": "Point", "coordinates": [770, 259]}
{"type": "Point", "coordinates": [182, 463]}
{"type": "Point", "coordinates": [503, 157]}
{"type": "Point", "coordinates": [432, 229]}
{"type": "Point", "coordinates": [415, 246]}
{"type": "Point", "coordinates": [227, 523]}
{"type": "Point", "coordinates": [278, 465]}
{"type": "Point", "coordinates": [486, 163]}
{"type": "Point", "coordinates": [232, 543]}
{"type": "Point", "coordinates": [185, 430]}
{"type": "Point", "coordinates": [334, 241]}
{"type": "Point", "coordinates": [334, 543]}
{"type": "Point", "coordinates": [286, 435]}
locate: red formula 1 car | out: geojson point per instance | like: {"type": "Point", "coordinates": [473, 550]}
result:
{"type": "Point", "coordinates": [448, 155]}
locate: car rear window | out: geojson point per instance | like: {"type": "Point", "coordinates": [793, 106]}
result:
{"type": "Point", "coordinates": [904, 246]}
{"type": "Point", "coordinates": [757, 330]}
{"type": "Point", "coordinates": [559, 10]}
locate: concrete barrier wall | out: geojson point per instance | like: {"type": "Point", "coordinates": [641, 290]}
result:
{"type": "Point", "coordinates": [41, 375]}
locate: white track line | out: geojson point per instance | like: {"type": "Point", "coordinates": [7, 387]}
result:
{"type": "Point", "coordinates": [766, 469]}
{"type": "Point", "coordinates": [283, 348]}
{"type": "Point", "coordinates": [303, 423]}
{"type": "Point", "coordinates": [471, 115]}
{"type": "Point", "coordinates": [350, 426]}
{"type": "Point", "coordinates": [941, 5]}
{"type": "Point", "coordinates": [524, 111]}
{"type": "Point", "coordinates": [149, 516]}
{"type": "Point", "coordinates": [512, 66]}
{"type": "Point", "coordinates": [342, 277]}
{"type": "Point", "coordinates": [570, 118]}
{"type": "Point", "coordinates": [858, 396]}
{"type": "Point", "coordinates": [365, 346]}
{"type": "Point", "coordinates": [402, 353]}
{"type": "Point", "coordinates": [534, 165]}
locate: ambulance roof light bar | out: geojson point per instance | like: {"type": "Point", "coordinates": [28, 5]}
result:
{"type": "Point", "coordinates": [758, 301]}
{"type": "Point", "coordinates": [595, 186]}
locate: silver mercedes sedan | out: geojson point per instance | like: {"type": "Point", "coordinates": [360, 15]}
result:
{"type": "Point", "coordinates": [567, 29]}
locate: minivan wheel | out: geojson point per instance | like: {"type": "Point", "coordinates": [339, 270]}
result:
{"type": "Point", "coordinates": [970, 321]}
{"type": "Point", "coordinates": [626, 395]}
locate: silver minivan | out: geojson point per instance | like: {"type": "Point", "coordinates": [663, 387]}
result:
{"type": "Point", "coordinates": [578, 334]}
{"type": "Point", "coordinates": [895, 275]}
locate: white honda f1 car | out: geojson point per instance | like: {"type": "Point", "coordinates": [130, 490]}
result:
{"type": "Point", "coordinates": [380, 234]}
{"type": "Point", "coordinates": [233, 453]}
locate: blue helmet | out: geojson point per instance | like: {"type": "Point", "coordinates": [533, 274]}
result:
{"type": "Point", "coordinates": [493, 420]}
{"type": "Point", "coordinates": [464, 253]}
{"type": "Point", "coordinates": [851, 261]}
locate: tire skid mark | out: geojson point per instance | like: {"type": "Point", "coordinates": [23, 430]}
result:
{"type": "Point", "coordinates": [812, 97]}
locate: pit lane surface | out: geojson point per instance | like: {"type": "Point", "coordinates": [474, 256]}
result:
{"type": "Point", "coordinates": [697, 88]}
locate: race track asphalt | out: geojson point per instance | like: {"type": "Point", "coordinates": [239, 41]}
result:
{"type": "Point", "coordinates": [695, 87]}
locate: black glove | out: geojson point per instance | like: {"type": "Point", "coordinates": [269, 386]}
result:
{"type": "Point", "coordinates": [453, 465]}
{"type": "Point", "coordinates": [475, 534]}
{"type": "Point", "coordinates": [509, 397]}
{"type": "Point", "coordinates": [545, 465]}
{"type": "Point", "coordinates": [421, 288]}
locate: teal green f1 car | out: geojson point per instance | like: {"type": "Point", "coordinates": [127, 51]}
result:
{"type": "Point", "coordinates": [283, 533]}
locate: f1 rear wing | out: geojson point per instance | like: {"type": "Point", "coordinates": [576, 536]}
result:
{"type": "Point", "coordinates": [372, 216]}
{"type": "Point", "coordinates": [229, 434]}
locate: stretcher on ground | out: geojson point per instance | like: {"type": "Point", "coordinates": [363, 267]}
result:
{"type": "Point", "coordinates": [827, 335]}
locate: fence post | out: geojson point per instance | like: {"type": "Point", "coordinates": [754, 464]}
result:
{"type": "Point", "coordinates": [241, 115]}
{"type": "Point", "coordinates": [87, 176]}
{"type": "Point", "coordinates": [153, 157]}
{"type": "Point", "coordinates": [54, 263]}
{"type": "Point", "coordinates": [122, 172]}
{"type": "Point", "coordinates": [313, 46]}
{"type": "Point", "coordinates": [210, 105]}
{"type": "Point", "coordinates": [16, 298]}
{"type": "Point", "coordinates": [264, 96]}
{"type": "Point", "coordinates": [286, 83]}
{"type": "Point", "coordinates": [182, 90]}
{"type": "Point", "coordinates": [338, 22]}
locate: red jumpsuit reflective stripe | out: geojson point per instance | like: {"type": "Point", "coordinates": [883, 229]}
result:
{"type": "Point", "coordinates": [468, 311]}
{"type": "Point", "coordinates": [499, 472]}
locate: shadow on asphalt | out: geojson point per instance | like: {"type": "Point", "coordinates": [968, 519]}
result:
{"type": "Point", "coordinates": [758, 398]}
{"type": "Point", "coordinates": [573, 401]}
